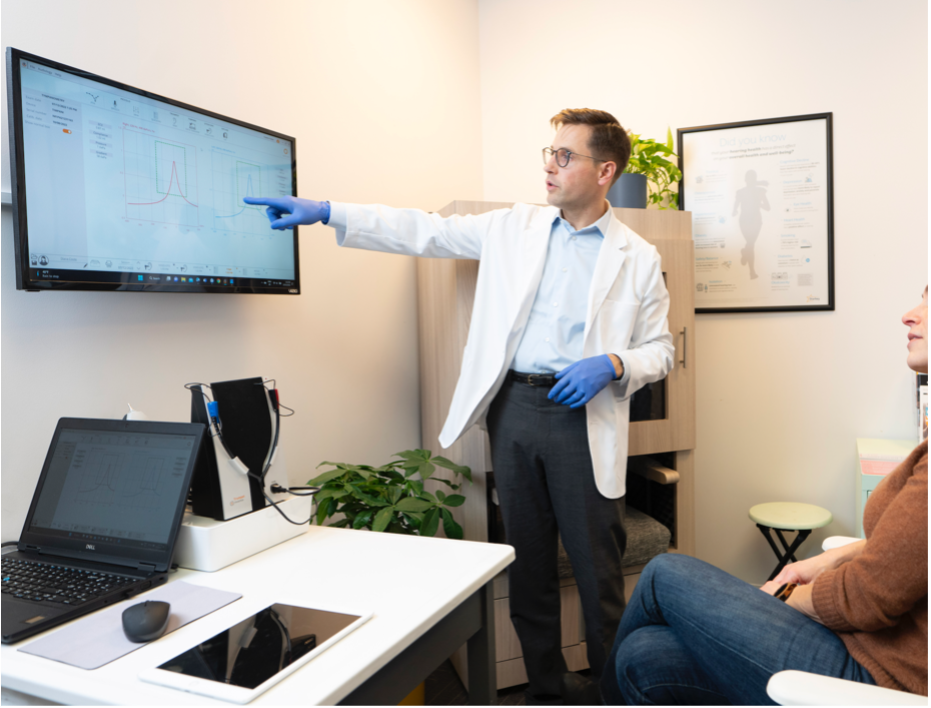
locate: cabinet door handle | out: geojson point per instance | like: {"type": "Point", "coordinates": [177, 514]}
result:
{"type": "Point", "coordinates": [684, 332]}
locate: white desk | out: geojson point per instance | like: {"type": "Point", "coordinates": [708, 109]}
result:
{"type": "Point", "coordinates": [428, 596]}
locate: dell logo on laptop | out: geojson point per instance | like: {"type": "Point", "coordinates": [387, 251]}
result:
{"type": "Point", "coordinates": [89, 546]}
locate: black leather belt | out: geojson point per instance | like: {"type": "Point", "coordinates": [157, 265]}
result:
{"type": "Point", "coordinates": [532, 379]}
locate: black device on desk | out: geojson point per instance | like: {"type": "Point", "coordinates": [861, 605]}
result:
{"type": "Point", "coordinates": [103, 520]}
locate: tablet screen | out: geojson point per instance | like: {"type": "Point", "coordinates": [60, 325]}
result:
{"type": "Point", "coordinates": [253, 651]}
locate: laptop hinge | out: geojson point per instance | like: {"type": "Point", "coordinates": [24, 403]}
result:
{"type": "Point", "coordinates": [150, 567]}
{"type": "Point", "coordinates": [30, 547]}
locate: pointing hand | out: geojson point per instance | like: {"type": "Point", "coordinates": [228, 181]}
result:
{"type": "Point", "coordinates": [287, 212]}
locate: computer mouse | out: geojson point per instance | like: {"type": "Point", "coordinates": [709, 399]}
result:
{"type": "Point", "coordinates": [146, 621]}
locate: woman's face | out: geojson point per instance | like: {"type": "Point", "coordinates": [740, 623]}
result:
{"type": "Point", "coordinates": [917, 322]}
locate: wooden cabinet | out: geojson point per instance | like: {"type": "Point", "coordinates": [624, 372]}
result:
{"type": "Point", "coordinates": [662, 434]}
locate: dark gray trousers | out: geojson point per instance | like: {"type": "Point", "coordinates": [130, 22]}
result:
{"type": "Point", "coordinates": [546, 487]}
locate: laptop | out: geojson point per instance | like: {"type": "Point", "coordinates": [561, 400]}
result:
{"type": "Point", "coordinates": [103, 521]}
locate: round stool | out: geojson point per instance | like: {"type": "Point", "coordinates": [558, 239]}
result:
{"type": "Point", "coordinates": [788, 516]}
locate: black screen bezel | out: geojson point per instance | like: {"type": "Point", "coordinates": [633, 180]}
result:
{"type": "Point", "coordinates": [105, 551]}
{"type": "Point", "coordinates": [24, 280]}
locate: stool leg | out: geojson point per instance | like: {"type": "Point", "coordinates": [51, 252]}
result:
{"type": "Point", "coordinates": [772, 544]}
{"type": "Point", "coordinates": [790, 550]}
{"type": "Point", "coordinates": [790, 553]}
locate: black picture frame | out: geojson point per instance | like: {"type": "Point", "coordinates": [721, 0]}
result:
{"type": "Point", "coordinates": [120, 280]}
{"type": "Point", "coordinates": [828, 158]}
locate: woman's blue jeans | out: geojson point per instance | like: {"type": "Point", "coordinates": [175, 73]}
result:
{"type": "Point", "coordinates": [692, 634]}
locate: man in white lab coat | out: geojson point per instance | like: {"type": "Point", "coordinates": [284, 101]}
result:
{"type": "Point", "coordinates": [569, 321]}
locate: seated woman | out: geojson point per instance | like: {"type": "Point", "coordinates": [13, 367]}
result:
{"type": "Point", "coordinates": [692, 634]}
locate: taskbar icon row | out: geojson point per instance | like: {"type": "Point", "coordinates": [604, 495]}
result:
{"type": "Point", "coordinates": [43, 278]}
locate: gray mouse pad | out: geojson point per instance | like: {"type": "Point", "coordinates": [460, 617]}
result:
{"type": "Point", "coordinates": [98, 639]}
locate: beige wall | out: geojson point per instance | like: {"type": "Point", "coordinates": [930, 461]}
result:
{"type": "Point", "coordinates": [383, 99]}
{"type": "Point", "coordinates": [416, 103]}
{"type": "Point", "coordinates": [781, 397]}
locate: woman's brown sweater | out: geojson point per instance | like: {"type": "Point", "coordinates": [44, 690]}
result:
{"type": "Point", "coordinates": [878, 602]}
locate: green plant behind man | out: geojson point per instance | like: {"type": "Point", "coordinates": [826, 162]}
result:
{"type": "Point", "coordinates": [648, 157]}
{"type": "Point", "coordinates": [391, 497]}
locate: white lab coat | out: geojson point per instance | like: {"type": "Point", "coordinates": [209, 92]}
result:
{"type": "Point", "coordinates": [627, 309]}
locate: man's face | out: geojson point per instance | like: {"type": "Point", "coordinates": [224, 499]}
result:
{"type": "Point", "coordinates": [577, 184]}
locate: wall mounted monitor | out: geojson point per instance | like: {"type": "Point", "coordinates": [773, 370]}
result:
{"type": "Point", "coordinates": [117, 188]}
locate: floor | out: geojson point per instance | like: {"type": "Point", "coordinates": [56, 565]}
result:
{"type": "Point", "coordinates": [445, 689]}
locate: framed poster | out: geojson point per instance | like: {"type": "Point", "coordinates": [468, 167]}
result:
{"type": "Point", "coordinates": [761, 197]}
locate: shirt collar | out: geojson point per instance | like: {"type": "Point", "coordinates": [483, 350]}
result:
{"type": "Point", "coordinates": [600, 227]}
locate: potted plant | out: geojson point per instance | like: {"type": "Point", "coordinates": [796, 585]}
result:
{"type": "Point", "coordinates": [648, 175]}
{"type": "Point", "coordinates": [392, 497]}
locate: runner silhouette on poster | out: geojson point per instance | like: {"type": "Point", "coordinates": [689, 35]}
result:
{"type": "Point", "coordinates": [750, 201]}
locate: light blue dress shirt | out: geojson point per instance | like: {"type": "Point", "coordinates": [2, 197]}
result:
{"type": "Point", "coordinates": [553, 337]}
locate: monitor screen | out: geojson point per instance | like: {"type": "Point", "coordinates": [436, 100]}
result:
{"type": "Point", "coordinates": [120, 189]}
{"type": "Point", "coordinates": [113, 490]}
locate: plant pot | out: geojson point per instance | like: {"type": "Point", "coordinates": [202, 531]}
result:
{"type": "Point", "coordinates": [630, 191]}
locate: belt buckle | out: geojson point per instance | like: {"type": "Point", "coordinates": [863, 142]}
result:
{"type": "Point", "coordinates": [539, 379]}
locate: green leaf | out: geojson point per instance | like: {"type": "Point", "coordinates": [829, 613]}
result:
{"type": "Point", "coordinates": [363, 519]}
{"type": "Point", "coordinates": [342, 523]}
{"type": "Point", "coordinates": [394, 494]}
{"type": "Point", "coordinates": [392, 474]}
{"type": "Point", "coordinates": [326, 476]}
{"type": "Point", "coordinates": [431, 523]}
{"type": "Point", "coordinates": [452, 529]}
{"type": "Point", "coordinates": [368, 498]}
{"type": "Point", "coordinates": [415, 520]}
{"type": "Point", "coordinates": [383, 518]}
{"type": "Point", "coordinates": [426, 470]}
{"type": "Point", "coordinates": [336, 493]}
{"type": "Point", "coordinates": [458, 469]}
{"type": "Point", "coordinates": [454, 500]}
{"type": "Point", "coordinates": [429, 497]}
{"type": "Point", "coordinates": [669, 138]}
{"type": "Point", "coordinates": [413, 504]}
{"type": "Point", "coordinates": [324, 509]}
{"type": "Point", "coordinates": [418, 455]}
{"type": "Point", "coordinates": [440, 495]}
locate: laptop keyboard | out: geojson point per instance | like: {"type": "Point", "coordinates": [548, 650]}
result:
{"type": "Point", "coordinates": [43, 582]}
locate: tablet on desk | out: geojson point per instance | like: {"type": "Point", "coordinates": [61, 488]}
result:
{"type": "Point", "coordinates": [242, 662]}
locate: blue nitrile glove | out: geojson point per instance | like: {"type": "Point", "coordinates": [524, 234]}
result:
{"type": "Point", "coordinates": [579, 382]}
{"type": "Point", "coordinates": [298, 211]}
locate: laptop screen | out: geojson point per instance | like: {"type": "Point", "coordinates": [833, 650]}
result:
{"type": "Point", "coordinates": [116, 489]}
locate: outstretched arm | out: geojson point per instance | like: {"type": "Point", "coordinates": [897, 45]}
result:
{"type": "Point", "coordinates": [380, 228]}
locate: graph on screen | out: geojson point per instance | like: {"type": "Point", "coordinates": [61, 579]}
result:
{"type": "Point", "coordinates": [120, 480]}
{"type": "Point", "coordinates": [160, 179]}
{"type": "Point", "coordinates": [233, 179]}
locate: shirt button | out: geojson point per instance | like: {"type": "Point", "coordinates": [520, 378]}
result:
{"type": "Point", "coordinates": [547, 339]}
{"type": "Point", "coordinates": [555, 304]}
{"type": "Point", "coordinates": [565, 270]}
{"type": "Point", "coordinates": [573, 238]}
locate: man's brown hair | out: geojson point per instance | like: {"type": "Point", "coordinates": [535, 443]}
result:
{"type": "Point", "coordinates": [609, 140]}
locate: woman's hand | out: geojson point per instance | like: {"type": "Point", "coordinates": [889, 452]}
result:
{"type": "Point", "coordinates": [805, 572]}
{"type": "Point", "coordinates": [801, 600]}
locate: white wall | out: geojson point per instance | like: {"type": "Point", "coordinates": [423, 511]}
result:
{"type": "Point", "coordinates": [383, 99]}
{"type": "Point", "coordinates": [781, 397]}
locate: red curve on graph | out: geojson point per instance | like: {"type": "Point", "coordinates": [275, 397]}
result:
{"type": "Point", "coordinates": [174, 175]}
